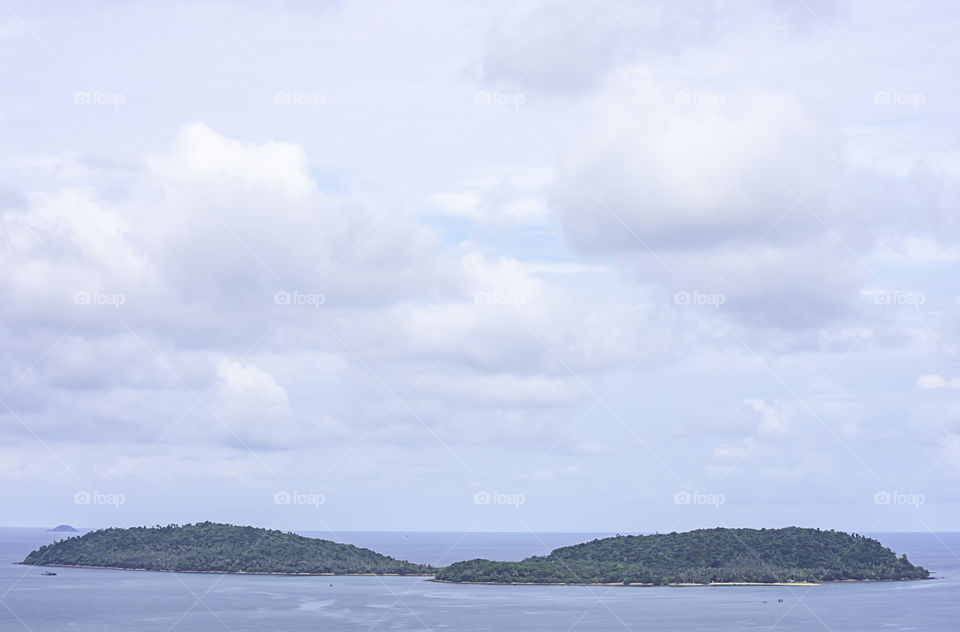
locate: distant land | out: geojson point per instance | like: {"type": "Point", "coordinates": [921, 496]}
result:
{"type": "Point", "coordinates": [210, 547]}
{"type": "Point", "coordinates": [705, 556]}
{"type": "Point", "coordinates": [64, 527]}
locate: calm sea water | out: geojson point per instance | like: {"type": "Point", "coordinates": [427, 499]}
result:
{"type": "Point", "coordinates": [86, 599]}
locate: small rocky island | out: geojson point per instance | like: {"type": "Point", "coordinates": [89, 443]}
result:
{"type": "Point", "coordinates": [705, 556]}
{"type": "Point", "coordinates": [65, 528]}
{"type": "Point", "coordinates": [209, 547]}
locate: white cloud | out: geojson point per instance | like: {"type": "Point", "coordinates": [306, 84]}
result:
{"type": "Point", "coordinates": [202, 158]}
{"type": "Point", "coordinates": [677, 175]}
{"type": "Point", "coordinates": [463, 204]}
{"type": "Point", "coordinates": [928, 382]}
{"type": "Point", "coordinates": [499, 279]}
{"type": "Point", "coordinates": [771, 420]}
{"type": "Point", "coordinates": [497, 200]}
{"type": "Point", "coordinates": [248, 407]}
{"type": "Point", "coordinates": [247, 388]}
{"type": "Point", "coordinates": [502, 391]}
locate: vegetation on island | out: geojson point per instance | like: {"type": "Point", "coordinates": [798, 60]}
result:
{"type": "Point", "coordinates": [65, 527]}
{"type": "Point", "coordinates": [696, 557]}
{"type": "Point", "coordinates": [701, 557]}
{"type": "Point", "coordinates": [213, 547]}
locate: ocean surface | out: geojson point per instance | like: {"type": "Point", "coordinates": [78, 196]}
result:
{"type": "Point", "coordinates": [90, 599]}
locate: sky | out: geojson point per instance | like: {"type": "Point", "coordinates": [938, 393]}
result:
{"type": "Point", "coordinates": [501, 266]}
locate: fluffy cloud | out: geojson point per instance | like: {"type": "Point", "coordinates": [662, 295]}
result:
{"type": "Point", "coordinates": [567, 49]}
{"type": "Point", "coordinates": [249, 409]}
{"type": "Point", "coordinates": [667, 169]}
{"type": "Point", "coordinates": [665, 236]}
{"type": "Point", "coordinates": [721, 196]}
{"type": "Point", "coordinates": [232, 249]}
{"type": "Point", "coordinates": [928, 382]}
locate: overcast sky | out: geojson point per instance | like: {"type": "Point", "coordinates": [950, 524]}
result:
{"type": "Point", "coordinates": [407, 265]}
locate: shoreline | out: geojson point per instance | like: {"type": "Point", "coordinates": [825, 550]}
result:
{"type": "Point", "coordinates": [641, 584]}
{"type": "Point", "coordinates": [268, 573]}
{"type": "Point", "coordinates": [683, 585]}
{"type": "Point", "coordinates": [433, 579]}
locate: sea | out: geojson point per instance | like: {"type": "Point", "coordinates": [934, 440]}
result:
{"type": "Point", "coordinates": [94, 599]}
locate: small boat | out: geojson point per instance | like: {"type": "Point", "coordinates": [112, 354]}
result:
{"type": "Point", "coordinates": [48, 573]}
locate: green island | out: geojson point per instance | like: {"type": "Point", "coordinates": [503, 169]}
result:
{"type": "Point", "coordinates": [218, 548]}
{"type": "Point", "coordinates": [704, 556]}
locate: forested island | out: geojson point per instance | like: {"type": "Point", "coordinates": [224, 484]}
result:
{"type": "Point", "coordinates": [218, 548]}
{"type": "Point", "coordinates": [705, 556]}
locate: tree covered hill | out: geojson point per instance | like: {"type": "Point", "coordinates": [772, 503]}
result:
{"type": "Point", "coordinates": [213, 547]}
{"type": "Point", "coordinates": [702, 556]}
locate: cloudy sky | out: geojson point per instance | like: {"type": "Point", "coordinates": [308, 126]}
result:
{"type": "Point", "coordinates": [408, 265]}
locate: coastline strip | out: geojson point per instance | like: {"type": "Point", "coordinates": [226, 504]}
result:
{"type": "Point", "coordinates": [172, 570]}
